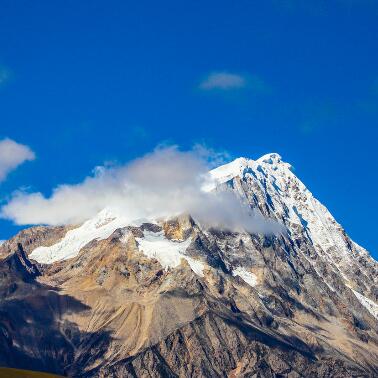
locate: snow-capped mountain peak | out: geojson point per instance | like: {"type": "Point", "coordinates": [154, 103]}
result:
{"type": "Point", "coordinates": [312, 284]}
{"type": "Point", "coordinates": [241, 165]}
{"type": "Point", "coordinates": [270, 158]}
{"type": "Point", "coordinates": [267, 184]}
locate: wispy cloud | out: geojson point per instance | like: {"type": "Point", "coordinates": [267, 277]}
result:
{"type": "Point", "coordinates": [163, 183]}
{"type": "Point", "coordinates": [229, 82]}
{"type": "Point", "coordinates": [13, 154]}
{"type": "Point", "coordinates": [223, 81]}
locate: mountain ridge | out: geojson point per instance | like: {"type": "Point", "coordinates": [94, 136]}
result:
{"type": "Point", "coordinates": [143, 298]}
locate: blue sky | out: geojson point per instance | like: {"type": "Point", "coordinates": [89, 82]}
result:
{"type": "Point", "coordinates": [85, 82]}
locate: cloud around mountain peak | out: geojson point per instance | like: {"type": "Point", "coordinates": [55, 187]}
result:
{"type": "Point", "coordinates": [163, 183]}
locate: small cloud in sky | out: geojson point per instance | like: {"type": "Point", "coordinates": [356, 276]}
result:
{"type": "Point", "coordinates": [223, 81]}
{"type": "Point", "coordinates": [226, 82]}
{"type": "Point", "coordinates": [13, 154]}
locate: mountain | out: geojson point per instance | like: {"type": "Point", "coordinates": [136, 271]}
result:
{"type": "Point", "coordinates": [175, 298]}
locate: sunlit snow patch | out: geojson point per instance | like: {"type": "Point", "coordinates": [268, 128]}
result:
{"type": "Point", "coordinates": [224, 173]}
{"type": "Point", "coordinates": [98, 228]}
{"type": "Point", "coordinates": [371, 306]}
{"type": "Point", "coordinates": [246, 276]}
{"type": "Point", "coordinates": [169, 253]}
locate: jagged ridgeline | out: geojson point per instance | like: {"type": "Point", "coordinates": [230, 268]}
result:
{"type": "Point", "coordinates": [175, 298]}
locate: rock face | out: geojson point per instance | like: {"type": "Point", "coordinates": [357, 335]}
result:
{"type": "Point", "coordinates": [172, 298]}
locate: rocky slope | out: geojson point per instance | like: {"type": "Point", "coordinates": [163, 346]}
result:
{"type": "Point", "coordinates": [174, 298]}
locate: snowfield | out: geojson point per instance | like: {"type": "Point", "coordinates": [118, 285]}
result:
{"type": "Point", "coordinates": [168, 252]}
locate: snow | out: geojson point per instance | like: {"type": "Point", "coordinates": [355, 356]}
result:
{"type": "Point", "coordinates": [230, 170]}
{"type": "Point", "coordinates": [270, 158]}
{"type": "Point", "coordinates": [168, 252]}
{"type": "Point", "coordinates": [225, 173]}
{"type": "Point", "coordinates": [371, 306]}
{"type": "Point", "coordinates": [246, 276]}
{"type": "Point", "coordinates": [273, 181]}
{"type": "Point", "coordinates": [98, 228]}
{"type": "Point", "coordinates": [154, 245]}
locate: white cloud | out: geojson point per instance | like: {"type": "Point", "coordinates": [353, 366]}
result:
{"type": "Point", "coordinates": [214, 158]}
{"type": "Point", "coordinates": [12, 154]}
{"type": "Point", "coordinates": [223, 81]}
{"type": "Point", "coordinates": [163, 183]}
